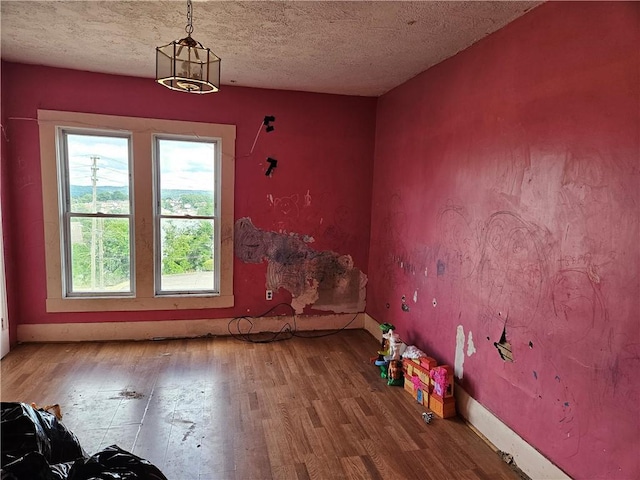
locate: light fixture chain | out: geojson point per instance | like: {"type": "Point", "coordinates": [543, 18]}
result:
{"type": "Point", "coordinates": [189, 27]}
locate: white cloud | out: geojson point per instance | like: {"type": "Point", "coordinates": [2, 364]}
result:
{"type": "Point", "coordinates": [184, 165]}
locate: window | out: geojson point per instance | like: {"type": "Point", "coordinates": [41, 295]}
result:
{"type": "Point", "coordinates": [138, 212]}
{"type": "Point", "coordinates": [96, 213]}
{"type": "Point", "coordinates": [186, 216]}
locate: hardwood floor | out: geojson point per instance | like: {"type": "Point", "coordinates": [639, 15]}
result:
{"type": "Point", "coordinates": [218, 408]}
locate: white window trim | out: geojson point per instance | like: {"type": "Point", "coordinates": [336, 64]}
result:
{"type": "Point", "coordinates": [142, 130]}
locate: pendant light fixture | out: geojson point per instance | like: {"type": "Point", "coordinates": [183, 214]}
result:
{"type": "Point", "coordinates": [186, 66]}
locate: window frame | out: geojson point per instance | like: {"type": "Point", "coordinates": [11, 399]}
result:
{"type": "Point", "coordinates": [143, 282]}
{"type": "Point", "coordinates": [66, 214]}
{"type": "Point", "coordinates": [158, 216]}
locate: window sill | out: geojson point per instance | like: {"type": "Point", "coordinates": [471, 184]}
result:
{"type": "Point", "coordinates": [137, 304]}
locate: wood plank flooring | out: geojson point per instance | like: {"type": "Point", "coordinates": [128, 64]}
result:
{"type": "Point", "coordinates": [218, 408]}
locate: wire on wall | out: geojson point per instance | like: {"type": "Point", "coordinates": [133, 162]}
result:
{"type": "Point", "coordinates": [240, 328]}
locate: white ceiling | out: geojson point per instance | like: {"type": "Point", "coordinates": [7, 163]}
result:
{"type": "Point", "coordinates": [352, 48]}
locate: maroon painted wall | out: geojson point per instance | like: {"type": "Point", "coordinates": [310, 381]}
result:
{"type": "Point", "coordinates": [323, 144]}
{"type": "Point", "coordinates": [506, 187]}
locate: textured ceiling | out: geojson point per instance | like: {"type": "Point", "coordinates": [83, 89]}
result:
{"type": "Point", "coordinates": [353, 48]}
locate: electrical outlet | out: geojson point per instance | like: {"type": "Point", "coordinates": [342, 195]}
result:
{"type": "Point", "coordinates": [269, 295]}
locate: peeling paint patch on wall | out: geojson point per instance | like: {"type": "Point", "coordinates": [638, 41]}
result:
{"type": "Point", "coordinates": [325, 280]}
{"type": "Point", "coordinates": [459, 360]}
{"type": "Point", "coordinates": [471, 348]}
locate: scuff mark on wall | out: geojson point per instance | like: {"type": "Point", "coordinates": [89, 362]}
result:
{"type": "Point", "coordinates": [459, 359]}
{"type": "Point", "coordinates": [440, 268]}
{"type": "Point", "coordinates": [458, 247]}
{"type": "Point", "coordinates": [286, 210]}
{"type": "Point", "coordinates": [339, 231]}
{"type": "Point", "coordinates": [325, 280]}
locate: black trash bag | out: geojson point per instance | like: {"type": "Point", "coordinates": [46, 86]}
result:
{"type": "Point", "coordinates": [60, 471]}
{"type": "Point", "coordinates": [23, 430]}
{"type": "Point", "coordinates": [65, 446]}
{"type": "Point", "coordinates": [113, 463]}
{"type": "Point", "coordinates": [34, 466]}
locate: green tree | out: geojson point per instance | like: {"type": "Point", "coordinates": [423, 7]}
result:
{"type": "Point", "coordinates": [187, 246]}
{"type": "Point", "coordinates": [117, 252]}
{"type": "Point", "coordinates": [205, 208]}
{"type": "Point", "coordinates": [81, 265]}
{"type": "Point", "coordinates": [119, 196]}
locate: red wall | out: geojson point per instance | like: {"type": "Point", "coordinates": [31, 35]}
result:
{"type": "Point", "coordinates": [506, 187]}
{"type": "Point", "coordinates": [5, 201]}
{"type": "Point", "coordinates": [323, 144]}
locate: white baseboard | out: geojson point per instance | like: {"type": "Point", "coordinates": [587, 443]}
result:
{"type": "Point", "coordinates": [373, 327]}
{"type": "Point", "coordinates": [146, 330]}
{"type": "Point", "coordinates": [494, 431]}
{"type": "Point", "coordinates": [527, 458]}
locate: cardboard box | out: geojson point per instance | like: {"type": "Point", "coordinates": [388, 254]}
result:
{"type": "Point", "coordinates": [442, 407]}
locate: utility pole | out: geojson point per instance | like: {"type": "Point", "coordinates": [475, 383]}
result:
{"type": "Point", "coordinates": [94, 184]}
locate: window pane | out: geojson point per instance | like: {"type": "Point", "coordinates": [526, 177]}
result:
{"type": "Point", "coordinates": [98, 173]}
{"type": "Point", "coordinates": [100, 253]}
{"type": "Point", "coordinates": [187, 255]}
{"type": "Point", "coordinates": [186, 177]}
